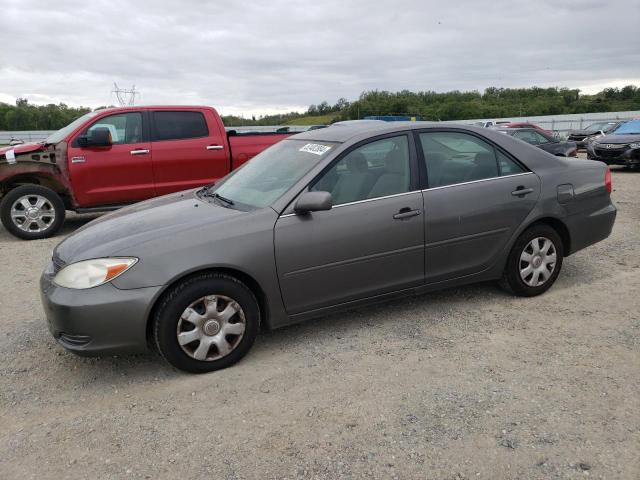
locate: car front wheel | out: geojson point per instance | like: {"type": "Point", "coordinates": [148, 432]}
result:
{"type": "Point", "coordinates": [206, 323]}
{"type": "Point", "coordinates": [534, 262]}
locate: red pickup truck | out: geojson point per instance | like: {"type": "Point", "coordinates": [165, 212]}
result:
{"type": "Point", "coordinates": [115, 156]}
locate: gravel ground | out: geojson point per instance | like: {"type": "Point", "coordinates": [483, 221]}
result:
{"type": "Point", "coordinates": [466, 383]}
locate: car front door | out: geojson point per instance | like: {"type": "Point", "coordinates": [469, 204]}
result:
{"type": "Point", "coordinates": [120, 173]}
{"type": "Point", "coordinates": [188, 151]}
{"type": "Point", "coordinates": [477, 196]}
{"type": "Point", "coordinates": [371, 242]}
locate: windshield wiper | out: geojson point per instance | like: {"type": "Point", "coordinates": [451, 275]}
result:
{"type": "Point", "coordinates": [217, 196]}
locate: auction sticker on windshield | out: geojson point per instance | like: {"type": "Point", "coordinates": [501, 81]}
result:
{"type": "Point", "coordinates": [315, 148]}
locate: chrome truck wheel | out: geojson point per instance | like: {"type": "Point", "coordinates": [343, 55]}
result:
{"type": "Point", "coordinates": [32, 212]}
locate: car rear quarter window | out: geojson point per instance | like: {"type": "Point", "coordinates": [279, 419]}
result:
{"type": "Point", "coordinates": [174, 125]}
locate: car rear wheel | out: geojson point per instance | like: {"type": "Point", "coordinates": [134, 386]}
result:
{"type": "Point", "coordinates": [32, 212]}
{"type": "Point", "coordinates": [534, 262]}
{"type": "Point", "coordinates": [206, 323]}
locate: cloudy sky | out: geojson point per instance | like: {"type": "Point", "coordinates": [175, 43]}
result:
{"type": "Point", "coordinates": [255, 57]}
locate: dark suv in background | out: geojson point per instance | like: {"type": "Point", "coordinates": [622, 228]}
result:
{"type": "Point", "coordinates": [542, 140]}
{"type": "Point", "coordinates": [582, 137]}
{"type": "Point", "coordinates": [621, 147]}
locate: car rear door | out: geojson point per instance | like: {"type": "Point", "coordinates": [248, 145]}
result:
{"type": "Point", "coordinates": [120, 173]}
{"type": "Point", "coordinates": [189, 150]}
{"type": "Point", "coordinates": [372, 240]}
{"type": "Point", "coordinates": [477, 197]}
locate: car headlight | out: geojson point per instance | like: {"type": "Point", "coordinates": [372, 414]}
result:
{"type": "Point", "coordinates": [634, 145]}
{"type": "Point", "coordinates": [92, 273]}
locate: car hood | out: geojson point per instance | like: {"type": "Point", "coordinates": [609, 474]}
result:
{"type": "Point", "coordinates": [149, 220]}
{"type": "Point", "coordinates": [582, 132]}
{"type": "Point", "coordinates": [618, 139]}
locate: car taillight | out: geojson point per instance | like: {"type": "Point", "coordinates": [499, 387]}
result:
{"type": "Point", "coordinates": [607, 179]}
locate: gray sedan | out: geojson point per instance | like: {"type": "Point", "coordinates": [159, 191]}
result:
{"type": "Point", "coordinates": [325, 220]}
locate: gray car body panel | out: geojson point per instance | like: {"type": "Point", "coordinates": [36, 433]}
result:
{"type": "Point", "coordinates": [291, 256]}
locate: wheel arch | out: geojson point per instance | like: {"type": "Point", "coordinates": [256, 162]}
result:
{"type": "Point", "coordinates": [244, 277]}
{"type": "Point", "coordinates": [37, 178]}
{"type": "Point", "coordinates": [560, 227]}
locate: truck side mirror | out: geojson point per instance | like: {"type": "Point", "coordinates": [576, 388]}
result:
{"type": "Point", "coordinates": [99, 137]}
{"type": "Point", "coordinates": [313, 202]}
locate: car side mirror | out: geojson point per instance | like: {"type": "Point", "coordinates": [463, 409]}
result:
{"type": "Point", "coordinates": [313, 202]}
{"type": "Point", "coordinates": [99, 137]}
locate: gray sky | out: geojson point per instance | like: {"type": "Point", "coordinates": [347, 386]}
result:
{"type": "Point", "coordinates": [263, 57]}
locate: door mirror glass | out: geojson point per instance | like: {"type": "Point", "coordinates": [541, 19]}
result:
{"type": "Point", "coordinates": [313, 202]}
{"type": "Point", "coordinates": [97, 137]}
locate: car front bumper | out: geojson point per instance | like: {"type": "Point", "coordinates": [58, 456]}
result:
{"type": "Point", "coordinates": [629, 156]}
{"type": "Point", "coordinates": [97, 321]}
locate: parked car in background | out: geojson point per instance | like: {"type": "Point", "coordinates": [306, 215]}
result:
{"type": "Point", "coordinates": [325, 220]}
{"type": "Point", "coordinates": [581, 137]}
{"type": "Point", "coordinates": [528, 125]}
{"type": "Point", "coordinates": [543, 141]}
{"type": "Point", "coordinates": [620, 147]}
{"type": "Point", "coordinates": [116, 156]}
{"type": "Point", "coordinates": [490, 123]}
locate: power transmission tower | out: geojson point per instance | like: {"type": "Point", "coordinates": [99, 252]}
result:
{"type": "Point", "coordinates": [125, 97]}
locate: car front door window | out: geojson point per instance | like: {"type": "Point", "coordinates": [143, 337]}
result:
{"type": "Point", "coordinates": [125, 128]}
{"type": "Point", "coordinates": [377, 169]}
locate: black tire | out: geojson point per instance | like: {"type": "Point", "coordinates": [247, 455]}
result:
{"type": "Point", "coordinates": [54, 201]}
{"type": "Point", "coordinates": [511, 278]}
{"type": "Point", "coordinates": [168, 314]}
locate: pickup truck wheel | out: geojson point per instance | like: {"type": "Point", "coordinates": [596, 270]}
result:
{"type": "Point", "coordinates": [32, 212]}
{"type": "Point", "coordinates": [534, 262]}
{"type": "Point", "coordinates": [206, 323]}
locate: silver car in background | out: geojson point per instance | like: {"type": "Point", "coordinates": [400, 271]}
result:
{"type": "Point", "coordinates": [325, 220]}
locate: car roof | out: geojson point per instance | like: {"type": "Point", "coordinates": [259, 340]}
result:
{"type": "Point", "coordinates": [344, 131]}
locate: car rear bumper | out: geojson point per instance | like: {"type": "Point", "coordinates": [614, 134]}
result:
{"type": "Point", "coordinates": [97, 321]}
{"type": "Point", "coordinates": [587, 229]}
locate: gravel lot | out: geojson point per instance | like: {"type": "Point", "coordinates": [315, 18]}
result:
{"type": "Point", "coordinates": [465, 383]}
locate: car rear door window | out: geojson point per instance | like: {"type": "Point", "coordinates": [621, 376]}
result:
{"type": "Point", "coordinates": [172, 125]}
{"type": "Point", "coordinates": [456, 157]}
{"type": "Point", "coordinates": [377, 169]}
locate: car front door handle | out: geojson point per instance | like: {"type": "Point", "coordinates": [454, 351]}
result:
{"type": "Point", "coordinates": [142, 151]}
{"type": "Point", "coordinates": [214, 147]}
{"type": "Point", "coordinates": [521, 191]}
{"type": "Point", "coordinates": [406, 213]}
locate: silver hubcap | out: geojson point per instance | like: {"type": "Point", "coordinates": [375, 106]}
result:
{"type": "Point", "coordinates": [32, 213]}
{"type": "Point", "coordinates": [211, 327]}
{"type": "Point", "coordinates": [537, 261]}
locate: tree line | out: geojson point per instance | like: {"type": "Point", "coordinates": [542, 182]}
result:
{"type": "Point", "coordinates": [427, 105]}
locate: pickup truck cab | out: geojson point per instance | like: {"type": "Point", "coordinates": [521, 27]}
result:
{"type": "Point", "coordinates": [116, 156]}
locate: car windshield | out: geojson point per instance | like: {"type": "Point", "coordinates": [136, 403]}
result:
{"type": "Point", "coordinates": [595, 127]}
{"type": "Point", "coordinates": [629, 128]}
{"type": "Point", "coordinates": [64, 131]}
{"type": "Point", "coordinates": [265, 178]}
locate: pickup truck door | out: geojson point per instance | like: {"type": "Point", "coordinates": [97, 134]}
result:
{"type": "Point", "coordinates": [121, 173]}
{"type": "Point", "coordinates": [189, 150]}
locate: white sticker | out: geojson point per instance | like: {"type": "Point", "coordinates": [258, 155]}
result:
{"type": "Point", "coordinates": [11, 156]}
{"type": "Point", "coordinates": [315, 148]}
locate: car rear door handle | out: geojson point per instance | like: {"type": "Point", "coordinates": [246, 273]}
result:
{"type": "Point", "coordinates": [521, 191]}
{"type": "Point", "coordinates": [406, 213]}
{"type": "Point", "coordinates": [214, 147]}
{"type": "Point", "coordinates": [139, 152]}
